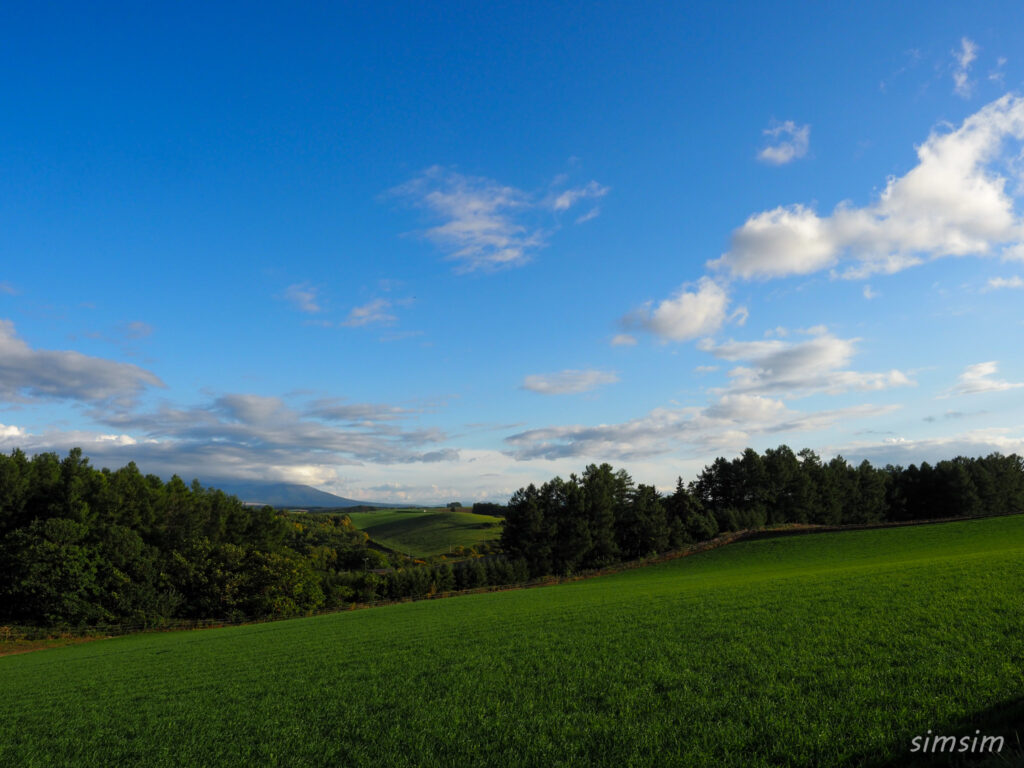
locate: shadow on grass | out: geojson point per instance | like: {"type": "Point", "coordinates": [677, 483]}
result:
{"type": "Point", "coordinates": [1005, 719]}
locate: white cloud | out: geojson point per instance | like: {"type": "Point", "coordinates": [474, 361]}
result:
{"type": "Point", "coordinates": [954, 202]}
{"type": "Point", "coordinates": [376, 312]}
{"type": "Point", "coordinates": [343, 446]}
{"type": "Point", "coordinates": [797, 369]}
{"type": "Point", "coordinates": [686, 315]}
{"type": "Point", "coordinates": [997, 75]}
{"type": "Point", "coordinates": [564, 200]}
{"type": "Point", "coordinates": [790, 142]}
{"type": "Point", "coordinates": [1013, 253]}
{"type": "Point", "coordinates": [68, 375]}
{"type": "Point", "coordinates": [968, 52]}
{"type": "Point", "coordinates": [1006, 282]}
{"type": "Point", "coordinates": [623, 340]}
{"type": "Point", "coordinates": [9, 432]}
{"type": "Point", "coordinates": [869, 294]}
{"type": "Point", "coordinates": [977, 379]}
{"type": "Point", "coordinates": [487, 225]}
{"type": "Point", "coordinates": [304, 297]}
{"type": "Point", "coordinates": [361, 414]}
{"type": "Point", "coordinates": [904, 451]}
{"type": "Point", "coordinates": [256, 436]}
{"type": "Point", "coordinates": [568, 382]}
{"type": "Point", "coordinates": [728, 424]}
{"type": "Point", "coordinates": [779, 242]}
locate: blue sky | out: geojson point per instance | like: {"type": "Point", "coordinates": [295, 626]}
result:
{"type": "Point", "coordinates": [423, 253]}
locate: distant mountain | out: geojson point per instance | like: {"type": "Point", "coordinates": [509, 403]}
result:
{"type": "Point", "coordinates": [285, 494]}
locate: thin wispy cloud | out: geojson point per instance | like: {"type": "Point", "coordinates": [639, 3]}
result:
{"type": "Point", "coordinates": [7, 288]}
{"type": "Point", "coordinates": [623, 340]}
{"type": "Point", "coordinates": [964, 57]}
{"type": "Point", "coordinates": [376, 312]}
{"type": "Point", "coordinates": [568, 382]}
{"type": "Point", "coordinates": [787, 142]}
{"type": "Point", "coordinates": [727, 424]}
{"type": "Point", "coordinates": [980, 378]}
{"type": "Point", "coordinates": [486, 225]}
{"type": "Point", "coordinates": [996, 283]}
{"type": "Point", "coordinates": [568, 198]}
{"type": "Point", "coordinates": [997, 75]}
{"type": "Point", "coordinates": [303, 297]}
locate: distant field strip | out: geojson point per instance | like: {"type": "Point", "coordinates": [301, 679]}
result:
{"type": "Point", "coordinates": [422, 533]}
{"type": "Point", "coordinates": [828, 650]}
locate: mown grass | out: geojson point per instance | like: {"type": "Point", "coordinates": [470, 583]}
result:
{"type": "Point", "coordinates": [826, 650]}
{"type": "Point", "coordinates": [422, 533]}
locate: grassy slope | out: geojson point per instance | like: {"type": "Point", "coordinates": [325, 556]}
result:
{"type": "Point", "coordinates": [831, 649]}
{"type": "Point", "coordinates": [432, 532]}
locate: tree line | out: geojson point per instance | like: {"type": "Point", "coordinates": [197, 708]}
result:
{"type": "Point", "coordinates": [82, 546]}
{"type": "Point", "coordinates": [602, 516]}
{"type": "Point", "coordinates": [85, 546]}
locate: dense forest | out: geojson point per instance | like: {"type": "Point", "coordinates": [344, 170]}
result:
{"type": "Point", "coordinates": [85, 546]}
{"type": "Point", "coordinates": [602, 517]}
{"type": "Point", "coordinates": [82, 546]}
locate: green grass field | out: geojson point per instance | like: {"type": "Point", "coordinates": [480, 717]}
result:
{"type": "Point", "coordinates": [826, 650]}
{"type": "Point", "coordinates": [422, 533]}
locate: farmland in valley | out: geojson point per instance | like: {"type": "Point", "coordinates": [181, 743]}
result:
{"type": "Point", "coordinates": [424, 532]}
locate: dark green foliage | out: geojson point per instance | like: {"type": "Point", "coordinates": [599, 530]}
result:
{"type": "Point", "coordinates": [80, 546]}
{"type": "Point", "coordinates": [489, 508]}
{"type": "Point", "coordinates": [601, 518]}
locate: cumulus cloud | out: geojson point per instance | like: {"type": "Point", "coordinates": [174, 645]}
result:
{"type": "Point", "coordinates": [67, 375]}
{"type": "Point", "coordinates": [979, 378]}
{"type": "Point", "coordinates": [954, 202]}
{"type": "Point", "coordinates": [376, 312]}
{"type": "Point", "coordinates": [9, 432]}
{"type": "Point", "coordinates": [486, 225]}
{"type": "Point", "coordinates": [964, 57]}
{"type": "Point", "coordinates": [568, 382]}
{"type": "Point", "coordinates": [779, 242]}
{"type": "Point", "coordinates": [799, 368]}
{"type": "Point", "coordinates": [304, 297]}
{"type": "Point", "coordinates": [690, 313]}
{"type": "Point", "coordinates": [789, 142]}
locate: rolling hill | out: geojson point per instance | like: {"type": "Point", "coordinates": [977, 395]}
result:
{"type": "Point", "coordinates": [834, 649]}
{"type": "Point", "coordinates": [423, 532]}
